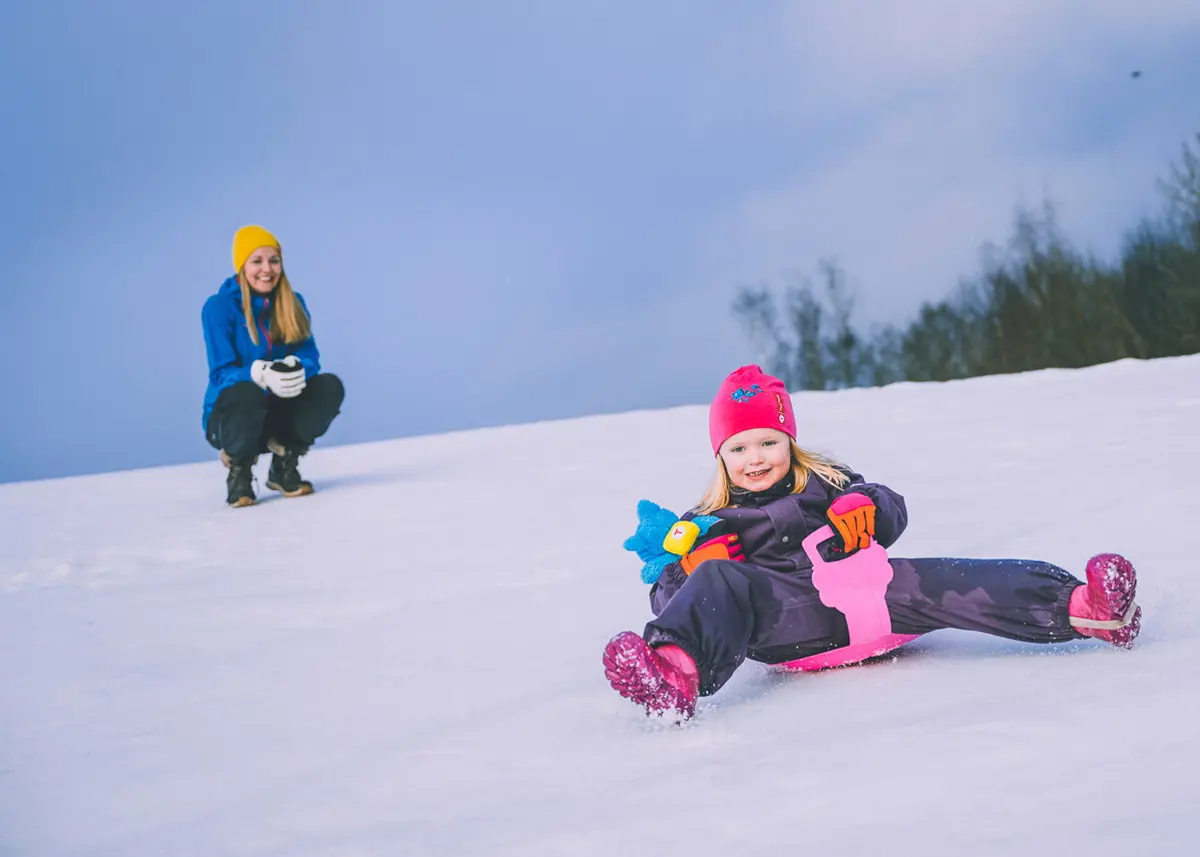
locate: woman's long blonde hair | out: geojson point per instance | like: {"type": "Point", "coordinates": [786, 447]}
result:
{"type": "Point", "coordinates": [804, 463]}
{"type": "Point", "coordinates": [289, 321]}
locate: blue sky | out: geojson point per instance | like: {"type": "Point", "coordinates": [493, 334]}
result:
{"type": "Point", "coordinates": [512, 211]}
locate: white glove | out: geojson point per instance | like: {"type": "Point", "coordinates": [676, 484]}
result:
{"type": "Point", "coordinates": [285, 384]}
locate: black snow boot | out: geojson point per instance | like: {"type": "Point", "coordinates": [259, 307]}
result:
{"type": "Point", "coordinates": [284, 476]}
{"type": "Point", "coordinates": [239, 484]}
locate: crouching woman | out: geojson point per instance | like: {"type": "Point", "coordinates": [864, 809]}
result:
{"type": "Point", "coordinates": [266, 391]}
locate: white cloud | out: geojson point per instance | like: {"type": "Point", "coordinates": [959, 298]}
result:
{"type": "Point", "coordinates": [946, 117]}
{"type": "Point", "coordinates": [879, 50]}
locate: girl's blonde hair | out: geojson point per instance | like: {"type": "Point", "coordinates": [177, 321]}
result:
{"type": "Point", "coordinates": [803, 463]}
{"type": "Point", "coordinates": [289, 321]}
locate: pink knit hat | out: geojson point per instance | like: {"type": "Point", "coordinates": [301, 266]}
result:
{"type": "Point", "coordinates": [750, 399]}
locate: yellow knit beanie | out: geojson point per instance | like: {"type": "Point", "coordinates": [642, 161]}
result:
{"type": "Point", "coordinates": [248, 239]}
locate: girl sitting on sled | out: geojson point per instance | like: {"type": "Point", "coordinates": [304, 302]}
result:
{"type": "Point", "coordinates": [770, 580]}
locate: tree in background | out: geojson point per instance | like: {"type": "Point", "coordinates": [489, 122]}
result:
{"type": "Point", "coordinates": [1160, 268]}
{"type": "Point", "coordinates": [1039, 303]}
{"type": "Point", "coordinates": [808, 337]}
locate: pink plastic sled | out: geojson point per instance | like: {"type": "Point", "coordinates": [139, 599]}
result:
{"type": "Point", "coordinates": [855, 586]}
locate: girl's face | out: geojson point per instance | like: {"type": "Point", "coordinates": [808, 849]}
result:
{"type": "Point", "coordinates": [757, 458]}
{"type": "Point", "coordinates": [263, 269]}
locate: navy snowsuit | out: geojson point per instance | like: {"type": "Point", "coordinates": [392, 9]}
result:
{"type": "Point", "coordinates": [767, 609]}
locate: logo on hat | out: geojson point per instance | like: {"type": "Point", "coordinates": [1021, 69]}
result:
{"type": "Point", "coordinates": [741, 395]}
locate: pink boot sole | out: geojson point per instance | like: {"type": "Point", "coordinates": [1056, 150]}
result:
{"type": "Point", "coordinates": [638, 674]}
{"type": "Point", "coordinates": [1111, 614]}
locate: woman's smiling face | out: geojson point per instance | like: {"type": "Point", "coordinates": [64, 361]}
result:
{"type": "Point", "coordinates": [262, 269]}
{"type": "Point", "coordinates": [756, 459]}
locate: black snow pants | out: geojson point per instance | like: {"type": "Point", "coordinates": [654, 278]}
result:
{"type": "Point", "coordinates": [244, 417]}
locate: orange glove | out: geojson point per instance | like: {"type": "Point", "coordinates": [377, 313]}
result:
{"type": "Point", "coordinates": [853, 516]}
{"type": "Point", "coordinates": [722, 547]}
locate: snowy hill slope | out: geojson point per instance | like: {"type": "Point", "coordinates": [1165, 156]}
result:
{"type": "Point", "coordinates": [408, 662]}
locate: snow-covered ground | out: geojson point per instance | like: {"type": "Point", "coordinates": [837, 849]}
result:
{"type": "Point", "coordinates": [408, 662]}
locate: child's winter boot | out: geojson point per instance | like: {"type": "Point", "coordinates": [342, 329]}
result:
{"type": "Point", "coordinates": [660, 679]}
{"type": "Point", "coordinates": [1105, 608]}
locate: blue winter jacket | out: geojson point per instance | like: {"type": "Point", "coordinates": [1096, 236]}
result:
{"type": "Point", "coordinates": [230, 349]}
